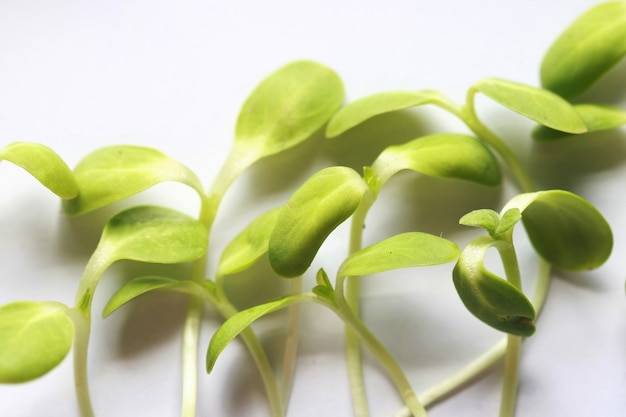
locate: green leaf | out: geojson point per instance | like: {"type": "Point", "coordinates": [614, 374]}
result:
{"type": "Point", "coordinates": [321, 204]}
{"type": "Point", "coordinates": [44, 164]}
{"type": "Point", "coordinates": [509, 219]}
{"type": "Point", "coordinates": [596, 117]}
{"type": "Point", "coordinates": [400, 251]}
{"type": "Point", "coordinates": [565, 229]}
{"type": "Point", "coordinates": [586, 50]}
{"type": "Point", "coordinates": [365, 108]}
{"type": "Point", "coordinates": [154, 234]}
{"type": "Point", "coordinates": [249, 245]}
{"type": "Point", "coordinates": [114, 173]}
{"type": "Point", "coordinates": [143, 285]}
{"type": "Point", "coordinates": [34, 338]}
{"type": "Point", "coordinates": [490, 298]}
{"type": "Point", "coordinates": [537, 104]}
{"type": "Point", "coordinates": [442, 155]}
{"type": "Point", "coordinates": [287, 108]}
{"type": "Point", "coordinates": [232, 327]}
{"type": "Point", "coordinates": [484, 218]}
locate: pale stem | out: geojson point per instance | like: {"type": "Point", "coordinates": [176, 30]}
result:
{"type": "Point", "coordinates": [291, 344]}
{"type": "Point", "coordinates": [81, 347]}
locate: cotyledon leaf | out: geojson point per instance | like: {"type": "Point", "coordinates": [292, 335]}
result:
{"type": "Point", "coordinates": [537, 104]}
{"type": "Point", "coordinates": [321, 204]}
{"type": "Point", "coordinates": [490, 298]}
{"type": "Point", "coordinates": [143, 285]}
{"type": "Point", "coordinates": [113, 173]}
{"type": "Point", "coordinates": [597, 118]}
{"type": "Point", "coordinates": [286, 108]}
{"type": "Point", "coordinates": [442, 155]}
{"type": "Point", "coordinates": [34, 338]}
{"type": "Point", "coordinates": [564, 228]}
{"type": "Point", "coordinates": [44, 164]}
{"type": "Point", "coordinates": [404, 250]}
{"type": "Point", "coordinates": [355, 113]}
{"type": "Point", "coordinates": [249, 245]}
{"type": "Point", "coordinates": [586, 50]}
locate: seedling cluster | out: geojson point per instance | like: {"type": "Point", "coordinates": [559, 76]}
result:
{"type": "Point", "coordinates": [286, 109]}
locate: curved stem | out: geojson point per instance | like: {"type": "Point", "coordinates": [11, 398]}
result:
{"type": "Point", "coordinates": [81, 348]}
{"type": "Point", "coordinates": [478, 366]}
{"type": "Point", "coordinates": [384, 357]}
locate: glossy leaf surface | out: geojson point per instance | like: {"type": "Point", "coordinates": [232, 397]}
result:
{"type": "Point", "coordinates": [489, 297]}
{"type": "Point", "coordinates": [249, 245]}
{"type": "Point", "coordinates": [114, 173]}
{"type": "Point", "coordinates": [44, 164]}
{"type": "Point", "coordinates": [537, 104]}
{"type": "Point", "coordinates": [565, 229]}
{"type": "Point", "coordinates": [355, 113]}
{"type": "Point", "coordinates": [596, 117]}
{"type": "Point", "coordinates": [442, 155]}
{"type": "Point", "coordinates": [143, 285]}
{"type": "Point", "coordinates": [321, 204]}
{"type": "Point", "coordinates": [586, 50]}
{"type": "Point", "coordinates": [400, 251]}
{"type": "Point", "coordinates": [154, 234]}
{"type": "Point", "coordinates": [287, 108]}
{"type": "Point", "coordinates": [34, 338]}
{"type": "Point", "coordinates": [232, 327]}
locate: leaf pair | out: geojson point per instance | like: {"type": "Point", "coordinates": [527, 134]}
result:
{"type": "Point", "coordinates": [566, 230]}
{"type": "Point", "coordinates": [36, 336]}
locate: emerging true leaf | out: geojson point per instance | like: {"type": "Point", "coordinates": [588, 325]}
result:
{"type": "Point", "coordinates": [44, 164]}
{"type": "Point", "coordinates": [565, 229]}
{"type": "Point", "coordinates": [249, 245]}
{"type": "Point", "coordinates": [232, 327]}
{"type": "Point", "coordinates": [34, 338]}
{"type": "Point", "coordinates": [114, 173]}
{"type": "Point", "coordinates": [537, 104]}
{"type": "Point", "coordinates": [321, 204]}
{"type": "Point", "coordinates": [484, 218]}
{"type": "Point", "coordinates": [143, 285]}
{"type": "Point", "coordinates": [586, 50]}
{"type": "Point", "coordinates": [287, 108]}
{"type": "Point", "coordinates": [442, 155]}
{"type": "Point", "coordinates": [365, 108]}
{"type": "Point", "coordinates": [596, 117]}
{"type": "Point", "coordinates": [154, 234]}
{"type": "Point", "coordinates": [490, 298]}
{"type": "Point", "coordinates": [400, 251]}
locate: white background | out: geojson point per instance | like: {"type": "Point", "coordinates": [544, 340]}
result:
{"type": "Point", "coordinates": [79, 75]}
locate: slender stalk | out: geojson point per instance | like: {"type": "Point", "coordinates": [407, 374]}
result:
{"type": "Point", "coordinates": [291, 344]}
{"type": "Point", "coordinates": [384, 357]}
{"type": "Point", "coordinates": [353, 349]}
{"type": "Point", "coordinates": [81, 344]}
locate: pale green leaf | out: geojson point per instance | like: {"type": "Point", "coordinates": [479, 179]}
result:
{"type": "Point", "coordinates": [236, 324]}
{"type": "Point", "coordinates": [154, 234]}
{"type": "Point", "coordinates": [509, 219]}
{"type": "Point", "coordinates": [537, 104]}
{"type": "Point", "coordinates": [355, 113]}
{"type": "Point", "coordinates": [490, 298]}
{"type": "Point", "coordinates": [34, 338]}
{"type": "Point", "coordinates": [596, 117]}
{"type": "Point", "coordinates": [484, 218]}
{"type": "Point", "coordinates": [586, 50]}
{"type": "Point", "coordinates": [249, 245]}
{"type": "Point", "coordinates": [143, 285]}
{"type": "Point", "coordinates": [287, 108]}
{"type": "Point", "coordinates": [442, 155]}
{"type": "Point", "coordinates": [114, 173]}
{"type": "Point", "coordinates": [321, 204]}
{"type": "Point", "coordinates": [44, 164]}
{"type": "Point", "coordinates": [400, 251]}
{"type": "Point", "coordinates": [565, 229]}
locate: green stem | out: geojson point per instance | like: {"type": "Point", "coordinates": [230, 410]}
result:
{"type": "Point", "coordinates": [81, 347]}
{"type": "Point", "coordinates": [291, 344]}
{"type": "Point", "coordinates": [353, 349]}
{"type": "Point", "coordinates": [385, 358]}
